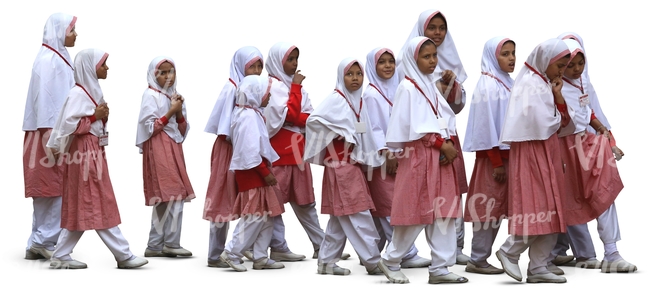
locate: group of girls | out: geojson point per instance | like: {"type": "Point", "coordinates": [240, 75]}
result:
{"type": "Point", "coordinates": [391, 154]}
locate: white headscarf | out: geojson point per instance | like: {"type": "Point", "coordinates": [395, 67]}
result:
{"type": "Point", "coordinates": [489, 101]}
{"type": "Point", "coordinates": [572, 89]}
{"type": "Point", "coordinates": [448, 58]}
{"type": "Point", "coordinates": [156, 101]}
{"type": "Point", "coordinates": [335, 117]}
{"type": "Point", "coordinates": [219, 121]}
{"type": "Point", "coordinates": [52, 75]}
{"type": "Point", "coordinates": [379, 94]}
{"type": "Point", "coordinates": [532, 114]}
{"type": "Point", "coordinates": [276, 111]}
{"type": "Point", "coordinates": [589, 88]}
{"type": "Point", "coordinates": [250, 139]}
{"type": "Point", "coordinates": [413, 115]}
{"type": "Point", "coordinates": [82, 99]}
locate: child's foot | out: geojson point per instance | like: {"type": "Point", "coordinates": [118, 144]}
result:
{"type": "Point", "coordinates": [333, 270]}
{"type": "Point", "coordinates": [394, 276]}
{"type": "Point", "coordinates": [267, 264]}
{"type": "Point", "coordinates": [561, 260]}
{"type": "Point", "coordinates": [511, 269]}
{"type": "Point", "coordinates": [45, 253]}
{"type": "Point", "coordinates": [462, 259]}
{"type": "Point", "coordinates": [449, 278]}
{"type": "Point", "coordinates": [615, 263]}
{"type": "Point", "coordinates": [248, 255]}
{"type": "Point", "coordinates": [151, 253]}
{"type": "Point", "coordinates": [132, 263]}
{"type": "Point", "coordinates": [218, 264]}
{"type": "Point", "coordinates": [29, 255]}
{"type": "Point", "coordinates": [489, 269]}
{"type": "Point", "coordinates": [177, 251]}
{"type": "Point", "coordinates": [67, 264]}
{"type": "Point", "coordinates": [416, 262]}
{"type": "Point", "coordinates": [287, 257]}
{"type": "Point", "coordinates": [239, 267]}
{"type": "Point", "coordinates": [545, 278]}
{"type": "Point", "coordinates": [554, 269]}
{"type": "Point", "coordinates": [588, 263]}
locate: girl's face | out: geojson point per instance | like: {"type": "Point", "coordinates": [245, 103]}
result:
{"type": "Point", "coordinates": [554, 70]}
{"type": "Point", "coordinates": [102, 71]}
{"type": "Point", "coordinates": [427, 58]}
{"type": "Point", "coordinates": [165, 75]}
{"type": "Point", "coordinates": [576, 67]}
{"type": "Point", "coordinates": [254, 69]}
{"type": "Point", "coordinates": [436, 30]}
{"type": "Point", "coordinates": [386, 66]}
{"type": "Point", "coordinates": [266, 99]}
{"type": "Point", "coordinates": [70, 38]}
{"type": "Point", "coordinates": [506, 57]}
{"type": "Point", "coordinates": [353, 78]}
{"type": "Point", "coordinates": [291, 65]}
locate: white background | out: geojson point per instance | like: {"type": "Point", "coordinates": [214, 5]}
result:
{"type": "Point", "coordinates": [202, 40]}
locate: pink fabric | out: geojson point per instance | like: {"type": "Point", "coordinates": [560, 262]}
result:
{"type": "Point", "coordinates": [222, 188]}
{"type": "Point", "coordinates": [294, 184]}
{"type": "Point", "coordinates": [487, 199]}
{"type": "Point", "coordinates": [593, 182]}
{"type": "Point", "coordinates": [88, 200]}
{"type": "Point", "coordinates": [459, 166]}
{"type": "Point", "coordinates": [536, 188]}
{"type": "Point", "coordinates": [345, 191]}
{"type": "Point", "coordinates": [43, 176]}
{"type": "Point", "coordinates": [424, 190]}
{"type": "Point", "coordinates": [163, 169]}
{"type": "Point", "coordinates": [257, 202]}
{"type": "Point", "coordinates": [381, 191]}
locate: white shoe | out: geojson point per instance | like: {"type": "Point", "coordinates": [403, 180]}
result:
{"type": "Point", "coordinates": [545, 278]}
{"type": "Point", "coordinates": [417, 262]}
{"type": "Point", "coordinates": [264, 264]}
{"type": "Point", "coordinates": [449, 278]}
{"type": "Point", "coordinates": [29, 255]}
{"type": "Point", "coordinates": [510, 268]}
{"type": "Point", "coordinates": [248, 255]}
{"type": "Point", "coordinates": [151, 253]}
{"type": "Point", "coordinates": [236, 266]}
{"type": "Point", "coordinates": [133, 263]}
{"type": "Point", "coordinates": [45, 253]}
{"type": "Point", "coordinates": [554, 269]}
{"type": "Point", "coordinates": [462, 259]}
{"type": "Point", "coordinates": [618, 266]}
{"type": "Point", "coordinates": [471, 268]}
{"type": "Point", "coordinates": [176, 252]}
{"type": "Point", "coordinates": [68, 264]}
{"type": "Point", "coordinates": [333, 270]}
{"type": "Point", "coordinates": [396, 277]}
{"type": "Point", "coordinates": [218, 264]}
{"type": "Point", "coordinates": [286, 257]}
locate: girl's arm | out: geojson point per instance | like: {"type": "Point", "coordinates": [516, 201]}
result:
{"type": "Point", "coordinates": [294, 106]}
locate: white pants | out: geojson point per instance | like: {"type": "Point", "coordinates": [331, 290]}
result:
{"type": "Point", "coordinates": [460, 230]}
{"type": "Point", "coordinates": [539, 250]}
{"type": "Point", "coordinates": [251, 231]}
{"type": "Point", "coordinates": [441, 237]}
{"type": "Point", "coordinates": [112, 238]}
{"type": "Point", "coordinates": [166, 223]}
{"type": "Point", "coordinates": [579, 238]}
{"type": "Point", "coordinates": [360, 230]}
{"type": "Point", "coordinates": [308, 218]}
{"type": "Point", "coordinates": [385, 231]}
{"type": "Point", "coordinates": [46, 223]}
{"type": "Point", "coordinates": [484, 234]}
{"type": "Point", "coordinates": [217, 240]}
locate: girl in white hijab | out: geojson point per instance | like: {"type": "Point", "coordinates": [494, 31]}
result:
{"type": "Point", "coordinates": [78, 140]}
{"type": "Point", "coordinates": [593, 178]}
{"type": "Point", "coordinates": [161, 130]}
{"type": "Point", "coordinates": [536, 187]}
{"type": "Point", "coordinates": [449, 76]}
{"type": "Point", "coordinates": [222, 189]}
{"type": "Point", "coordinates": [256, 202]}
{"type": "Point", "coordinates": [51, 80]}
{"type": "Point", "coordinates": [379, 95]}
{"type": "Point", "coordinates": [286, 115]}
{"type": "Point", "coordinates": [487, 198]}
{"type": "Point", "coordinates": [339, 138]}
{"type": "Point", "coordinates": [422, 124]}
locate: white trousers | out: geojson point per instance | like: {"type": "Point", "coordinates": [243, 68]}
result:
{"type": "Point", "coordinates": [539, 249]}
{"type": "Point", "coordinates": [483, 236]}
{"type": "Point", "coordinates": [441, 237]}
{"type": "Point", "coordinates": [360, 230]}
{"type": "Point", "coordinates": [385, 231]}
{"type": "Point", "coordinates": [46, 223]}
{"type": "Point", "coordinates": [166, 223]}
{"type": "Point", "coordinates": [308, 218]}
{"type": "Point", "coordinates": [217, 240]}
{"type": "Point", "coordinates": [112, 238]}
{"type": "Point", "coordinates": [251, 231]}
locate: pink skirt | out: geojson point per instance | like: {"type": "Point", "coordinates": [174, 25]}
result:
{"type": "Point", "coordinates": [294, 184]}
{"type": "Point", "coordinates": [459, 166]}
{"type": "Point", "coordinates": [593, 182]}
{"type": "Point", "coordinates": [222, 188]}
{"type": "Point", "coordinates": [345, 190]}
{"type": "Point", "coordinates": [487, 199]}
{"type": "Point", "coordinates": [163, 170]}
{"type": "Point", "coordinates": [424, 190]}
{"type": "Point", "coordinates": [381, 190]}
{"type": "Point", "coordinates": [536, 188]}
{"type": "Point", "coordinates": [43, 176]}
{"type": "Point", "coordinates": [88, 199]}
{"type": "Point", "coordinates": [257, 202]}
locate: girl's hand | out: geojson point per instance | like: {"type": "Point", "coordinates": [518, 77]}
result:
{"type": "Point", "coordinates": [101, 111]}
{"type": "Point", "coordinates": [298, 78]}
{"type": "Point", "coordinates": [270, 180]}
{"type": "Point", "coordinates": [557, 84]}
{"type": "Point", "coordinates": [618, 153]}
{"type": "Point", "coordinates": [448, 77]}
{"type": "Point", "coordinates": [176, 106]}
{"type": "Point", "coordinates": [447, 153]}
{"type": "Point", "coordinates": [499, 174]}
{"type": "Point", "coordinates": [391, 163]}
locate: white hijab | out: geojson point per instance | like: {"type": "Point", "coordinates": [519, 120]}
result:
{"type": "Point", "coordinates": [81, 101]}
{"type": "Point", "coordinates": [52, 75]}
{"type": "Point", "coordinates": [276, 111]}
{"type": "Point", "coordinates": [531, 113]}
{"type": "Point", "coordinates": [250, 139]}
{"type": "Point", "coordinates": [334, 117]}
{"type": "Point", "coordinates": [448, 58]}
{"type": "Point", "coordinates": [412, 115]}
{"type": "Point", "coordinates": [219, 121]}
{"type": "Point", "coordinates": [589, 88]}
{"type": "Point", "coordinates": [489, 101]}
{"type": "Point", "coordinates": [379, 94]}
{"type": "Point", "coordinates": [156, 101]}
{"type": "Point", "coordinates": [572, 89]}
